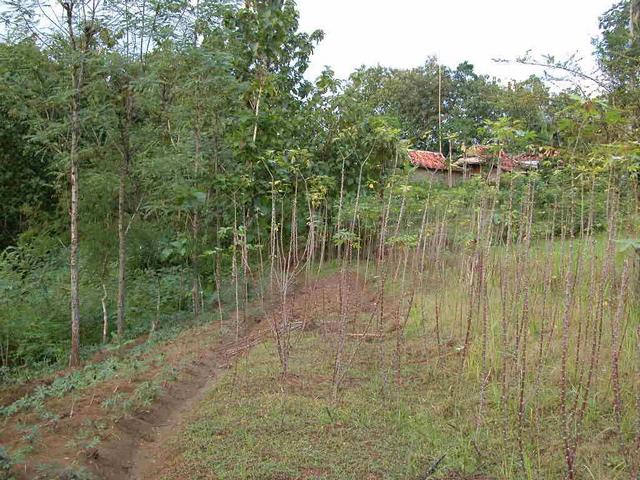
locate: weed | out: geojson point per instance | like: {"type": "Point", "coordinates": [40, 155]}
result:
{"type": "Point", "coordinates": [30, 434]}
{"type": "Point", "coordinates": [85, 441]}
{"type": "Point", "coordinates": [6, 464]}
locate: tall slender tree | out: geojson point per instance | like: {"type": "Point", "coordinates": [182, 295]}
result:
{"type": "Point", "coordinates": [80, 17]}
{"type": "Point", "coordinates": [70, 30]}
{"type": "Point", "coordinates": [634, 18]}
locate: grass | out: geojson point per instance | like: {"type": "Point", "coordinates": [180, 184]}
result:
{"type": "Point", "coordinates": [425, 422]}
{"type": "Point", "coordinates": [257, 425]}
{"type": "Point", "coordinates": [249, 428]}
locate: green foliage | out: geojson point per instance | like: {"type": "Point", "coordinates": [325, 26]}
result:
{"type": "Point", "coordinates": [618, 53]}
{"type": "Point", "coordinates": [202, 124]}
{"type": "Point", "coordinates": [25, 177]}
{"type": "Point", "coordinates": [90, 375]}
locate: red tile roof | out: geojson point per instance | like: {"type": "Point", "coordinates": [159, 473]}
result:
{"type": "Point", "coordinates": [507, 164]}
{"type": "Point", "coordinates": [481, 151]}
{"type": "Point", "coordinates": [428, 160]}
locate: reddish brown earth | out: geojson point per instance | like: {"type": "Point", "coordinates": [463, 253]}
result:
{"type": "Point", "coordinates": [135, 446]}
{"type": "Point", "coordinates": [197, 356]}
{"type": "Point", "coordinates": [131, 448]}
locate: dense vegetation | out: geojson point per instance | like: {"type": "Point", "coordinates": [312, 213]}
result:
{"type": "Point", "coordinates": [167, 160]}
{"type": "Point", "coordinates": [186, 122]}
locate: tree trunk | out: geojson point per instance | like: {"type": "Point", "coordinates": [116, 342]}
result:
{"type": "Point", "coordinates": [257, 111]}
{"type": "Point", "coordinates": [122, 253]}
{"type": "Point", "coordinates": [122, 229]}
{"type": "Point", "coordinates": [450, 163]}
{"type": "Point", "coordinates": [440, 107]}
{"type": "Point", "coordinates": [74, 359]}
{"type": "Point", "coordinates": [195, 220]}
{"type": "Point", "coordinates": [155, 322]}
{"type": "Point", "coordinates": [195, 289]}
{"type": "Point", "coordinates": [105, 314]}
{"type": "Point", "coordinates": [77, 80]}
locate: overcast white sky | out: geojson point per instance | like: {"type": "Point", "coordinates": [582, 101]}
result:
{"type": "Point", "coordinates": [403, 33]}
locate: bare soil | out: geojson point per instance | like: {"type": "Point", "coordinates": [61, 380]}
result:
{"type": "Point", "coordinates": [136, 446]}
{"type": "Point", "coordinates": [132, 447]}
{"type": "Point", "coordinates": [59, 446]}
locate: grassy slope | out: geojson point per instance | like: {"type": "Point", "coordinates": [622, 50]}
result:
{"type": "Point", "coordinates": [249, 428]}
{"type": "Point", "coordinates": [255, 425]}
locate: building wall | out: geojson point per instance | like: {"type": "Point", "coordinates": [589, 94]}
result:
{"type": "Point", "coordinates": [439, 176]}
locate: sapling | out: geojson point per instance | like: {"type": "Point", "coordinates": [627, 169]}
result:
{"type": "Point", "coordinates": [604, 285]}
{"type": "Point", "coordinates": [523, 369]}
{"type": "Point", "coordinates": [546, 293]}
{"type": "Point", "coordinates": [476, 277]}
{"type": "Point", "coordinates": [568, 442]}
{"type": "Point", "coordinates": [616, 345]}
{"type": "Point", "coordinates": [636, 463]}
{"type": "Point", "coordinates": [470, 307]}
{"type": "Point", "coordinates": [342, 258]}
{"type": "Point", "coordinates": [234, 270]}
{"type": "Point", "coordinates": [484, 233]}
{"type": "Point", "coordinates": [156, 321]}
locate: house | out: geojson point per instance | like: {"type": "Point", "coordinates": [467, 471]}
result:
{"type": "Point", "coordinates": [528, 162]}
{"type": "Point", "coordinates": [478, 160]}
{"type": "Point", "coordinates": [470, 165]}
{"type": "Point", "coordinates": [428, 160]}
{"type": "Point", "coordinates": [434, 164]}
{"type": "Point", "coordinates": [506, 162]}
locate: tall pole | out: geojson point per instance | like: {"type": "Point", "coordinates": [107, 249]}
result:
{"type": "Point", "coordinates": [440, 106]}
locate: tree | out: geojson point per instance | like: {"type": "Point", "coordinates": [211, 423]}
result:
{"type": "Point", "coordinates": [618, 55]}
{"type": "Point", "coordinates": [81, 22]}
{"type": "Point", "coordinates": [136, 30]}
{"type": "Point", "coordinates": [473, 99]}
{"type": "Point", "coordinates": [70, 29]}
{"type": "Point", "coordinates": [26, 175]}
{"type": "Point", "coordinates": [634, 20]}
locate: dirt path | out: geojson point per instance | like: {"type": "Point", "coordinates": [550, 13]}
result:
{"type": "Point", "coordinates": [133, 449]}
{"type": "Point", "coordinates": [139, 445]}
{"type": "Point", "coordinates": [148, 457]}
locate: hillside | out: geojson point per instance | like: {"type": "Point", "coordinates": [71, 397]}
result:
{"type": "Point", "coordinates": [213, 266]}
